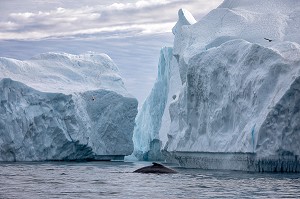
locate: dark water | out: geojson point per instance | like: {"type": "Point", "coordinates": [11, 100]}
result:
{"type": "Point", "coordinates": [116, 180]}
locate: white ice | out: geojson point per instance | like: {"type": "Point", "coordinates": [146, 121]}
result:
{"type": "Point", "coordinates": [238, 92]}
{"type": "Point", "coordinates": [58, 106]}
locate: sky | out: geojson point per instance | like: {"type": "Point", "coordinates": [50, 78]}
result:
{"type": "Point", "coordinates": [131, 32]}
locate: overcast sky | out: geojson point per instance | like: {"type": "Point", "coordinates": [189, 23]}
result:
{"type": "Point", "coordinates": [131, 32]}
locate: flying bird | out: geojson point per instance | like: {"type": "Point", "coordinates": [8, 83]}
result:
{"type": "Point", "coordinates": [268, 39]}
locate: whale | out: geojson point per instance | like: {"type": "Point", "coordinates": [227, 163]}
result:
{"type": "Point", "coordinates": [155, 168]}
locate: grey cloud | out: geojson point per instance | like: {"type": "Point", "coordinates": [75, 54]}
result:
{"type": "Point", "coordinates": [92, 19]}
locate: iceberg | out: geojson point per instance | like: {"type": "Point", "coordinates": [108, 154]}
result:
{"type": "Point", "coordinates": [58, 106]}
{"type": "Point", "coordinates": [148, 135]}
{"type": "Point", "coordinates": [236, 104]}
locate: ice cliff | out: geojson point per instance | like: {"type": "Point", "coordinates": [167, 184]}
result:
{"type": "Point", "coordinates": [238, 91]}
{"type": "Point", "coordinates": [232, 101]}
{"type": "Point", "coordinates": [58, 106]}
{"type": "Point", "coordinates": [151, 122]}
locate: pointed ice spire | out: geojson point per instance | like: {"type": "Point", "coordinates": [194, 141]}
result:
{"type": "Point", "coordinates": [184, 18]}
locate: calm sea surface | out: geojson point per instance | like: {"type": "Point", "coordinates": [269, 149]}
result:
{"type": "Point", "coordinates": [116, 180]}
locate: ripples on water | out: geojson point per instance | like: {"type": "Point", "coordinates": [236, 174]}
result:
{"type": "Point", "coordinates": [116, 180]}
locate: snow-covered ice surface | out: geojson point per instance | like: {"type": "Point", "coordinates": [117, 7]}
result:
{"type": "Point", "coordinates": [252, 21]}
{"type": "Point", "coordinates": [58, 106]}
{"type": "Point", "coordinates": [239, 92]}
{"type": "Point", "coordinates": [65, 73]}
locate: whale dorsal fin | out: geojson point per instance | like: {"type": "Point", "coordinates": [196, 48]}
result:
{"type": "Point", "coordinates": [156, 164]}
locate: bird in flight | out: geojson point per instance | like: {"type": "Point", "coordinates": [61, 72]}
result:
{"type": "Point", "coordinates": [268, 39]}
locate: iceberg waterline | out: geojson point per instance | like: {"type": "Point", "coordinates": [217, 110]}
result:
{"type": "Point", "coordinates": [58, 106]}
{"type": "Point", "coordinates": [238, 92]}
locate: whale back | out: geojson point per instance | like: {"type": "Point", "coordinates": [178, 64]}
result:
{"type": "Point", "coordinates": [155, 168]}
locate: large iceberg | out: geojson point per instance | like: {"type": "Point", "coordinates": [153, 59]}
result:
{"type": "Point", "coordinates": [58, 106]}
{"type": "Point", "coordinates": [238, 97]}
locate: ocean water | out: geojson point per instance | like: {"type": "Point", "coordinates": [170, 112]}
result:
{"type": "Point", "coordinates": [116, 180]}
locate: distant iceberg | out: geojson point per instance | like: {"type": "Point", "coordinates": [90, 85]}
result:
{"type": "Point", "coordinates": [58, 106]}
{"type": "Point", "coordinates": [238, 91]}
